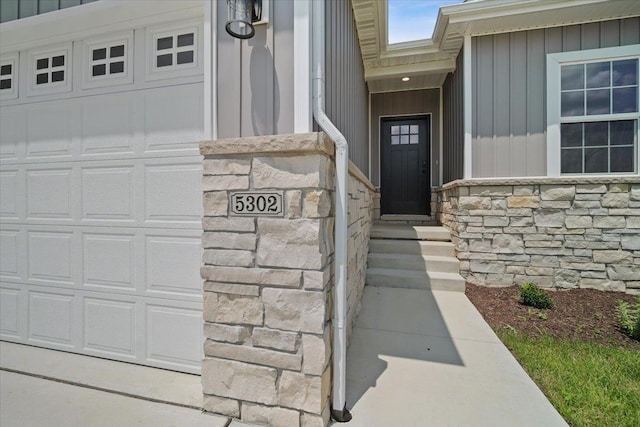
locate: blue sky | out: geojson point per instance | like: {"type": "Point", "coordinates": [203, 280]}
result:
{"type": "Point", "coordinates": [413, 19]}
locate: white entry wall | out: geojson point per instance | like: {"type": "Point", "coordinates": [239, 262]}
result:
{"type": "Point", "coordinates": [100, 211]}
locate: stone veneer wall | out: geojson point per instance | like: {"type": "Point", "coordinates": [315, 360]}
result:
{"type": "Point", "coordinates": [556, 233]}
{"type": "Point", "coordinates": [268, 282]}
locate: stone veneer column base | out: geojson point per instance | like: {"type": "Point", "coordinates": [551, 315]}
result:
{"type": "Point", "coordinates": [268, 280]}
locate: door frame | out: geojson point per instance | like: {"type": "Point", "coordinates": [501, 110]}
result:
{"type": "Point", "coordinates": [430, 149]}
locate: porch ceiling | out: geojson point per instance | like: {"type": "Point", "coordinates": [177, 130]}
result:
{"type": "Point", "coordinates": [427, 62]}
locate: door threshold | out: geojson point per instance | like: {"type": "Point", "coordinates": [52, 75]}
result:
{"type": "Point", "coordinates": [154, 384]}
{"type": "Point", "coordinates": [402, 217]}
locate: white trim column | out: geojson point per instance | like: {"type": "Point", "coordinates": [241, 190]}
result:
{"type": "Point", "coordinates": [210, 71]}
{"type": "Point", "coordinates": [468, 108]}
{"type": "Point", "coordinates": [302, 112]}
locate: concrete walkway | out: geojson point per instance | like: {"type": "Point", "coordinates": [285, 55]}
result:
{"type": "Point", "coordinates": [417, 358]}
{"type": "Point", "coordinates": [420, 357]}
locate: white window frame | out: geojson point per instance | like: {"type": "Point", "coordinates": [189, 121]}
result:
{"type": "Point", "coordinates": [10, 59]}
{"type": "Point", "coordinates": [554, 63]}
{"type": "Point", "coordinates": [152, 72]}
{"type": "Point", "coordinates": [121, 38]}
{"type": "Point", "coordinates": [64, 49]}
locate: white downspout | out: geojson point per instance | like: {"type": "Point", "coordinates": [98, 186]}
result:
{"type": "Point", "coordinates": [339, 410]}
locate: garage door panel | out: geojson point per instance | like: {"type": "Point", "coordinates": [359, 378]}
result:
{"type": "Point", "coordinates": [51, 256]}
{"type": "Point", "coordinates": [167, 341]}
{"type": "Point", "coordinates": [49, 130]}
{"type": "Point", "coordinates": [109, 261]}
{"type": "Point", "coordinates": [9, 180]}
{"type": "Point", "coordinates": [10, 126]}
{"type": "Point", "coordinates": [108, 124]}
{"type": "Point", "coordinates": [110, 327]}
{"type": "Point", "coordinates": [49, 194]}
{"type": "Point", "coordinates": [173, 265]}
{"type": "Point", "coordinates": [51, 318]}
{"type": "Point", "coordinates": [173, 118]}
{"type": "Point", "coordinates": [173, 193]}
{"type": "Point", "coordinates": [10, 312]}
{"type": "Point", "coordinates": [108, 193]}
{"type": "Point", "coordinates": [9, 241]}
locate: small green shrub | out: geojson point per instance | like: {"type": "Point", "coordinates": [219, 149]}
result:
{"type": "Point", "coordinates": [533, 296]}
{"type": "Point", "coordinates": [629, 318]}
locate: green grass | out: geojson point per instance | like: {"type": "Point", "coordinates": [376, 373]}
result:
{"type": "Point", "coordinates": [589, 384]}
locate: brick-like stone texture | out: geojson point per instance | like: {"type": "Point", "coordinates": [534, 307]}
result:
{"type": "Point", "coordinates": [557, 233]}
{"type": "Point", "coordinates": [268, 281]}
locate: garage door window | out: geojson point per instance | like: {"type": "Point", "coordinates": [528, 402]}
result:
{"type": "Point", "coordinates": [49, 70]}
{"type": "Point", "coordinates": [173, 51]}
{"type": "Point", "coordinates": [107, 60]}
{"type": "Point", "coordinates": [8, 76]}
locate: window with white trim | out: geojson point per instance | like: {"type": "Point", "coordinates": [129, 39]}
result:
{"type": "Point", "coordinates": [49, 69]}
{"type": "Point", "coordinates": [108, 60]}
{"type": "Point", "coordinates": [174, 50]}
{"type": "Point", "coordinates": [593, 111]}
{"type": "Point", "coordinates": [9, 76]}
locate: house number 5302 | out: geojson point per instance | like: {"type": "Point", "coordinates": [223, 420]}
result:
{"type": "Point", "coordinates": [254, 203]}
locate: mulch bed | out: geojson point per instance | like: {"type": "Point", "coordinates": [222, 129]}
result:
{"type": "Point", "coordinates": [584, 314]}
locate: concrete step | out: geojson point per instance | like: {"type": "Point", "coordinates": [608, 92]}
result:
{"type": "Point", "coordinates": [407, 218]}
{"type": "Point", "coordinates": [394, 278]}
{"type": "Point", "coordinates": [415, 232]}
{"type": "Point", "coordinates": [431, 263]}
{"type": "Point", "coordinates": [412, 247]}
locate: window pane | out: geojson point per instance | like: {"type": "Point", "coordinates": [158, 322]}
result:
{"type": "Point", "coordinates": [185, 57]}
{"type": "Point", "coordinates": [395, 130]}
{"type": "Point", "coordinates": [164, 60]}
{"type": "Point", "coordinates": [571, 161]}
{"type": "Point", "coordinates": [116, 67]}
{"type": "Point", "coordinates": [165, 43]}
{"type": "Point", "coordinates": [404, 139]}
{"type": "Point", "coordinates": [571, 135]}
{"type": "Point", "coordinates": [622, 132]}
{"type": "Point", "coordinates": [57, 61]}
{"type": "Point", "coordinates": [625, 99]}
{"type": "Point", "coordinates": [57, 76]}
{"type": "Point", "coordinates": [572, 104]}
{"type": "Point", "coordinates": [42, 78]}
{"type": "Point", "coordinates": [99, 54]}
{"type": "Point", "coordinates": [598, 102]}
{"type": "Point", "coordinates": [625, 72]}
{"type": "Point", "coordinates": [5, 69]}
{"type": "Point", "coordinates": [5, 84]}
{"type": "Point", "coordinates": [598, 75]}
{"type": "Point", "coordinates": [395, 140]}
{"type": "Point", "coordinates": [413, 129]}
{"type": "Point", "coordinates": [596, 160]}
{"type": "Point", "coordinates": [42, 63]}
{"type": "Point", "coordinates": [404, 129]}
{"type": "Point", "coordinates": [116, 51]}
{"type": "Point", "coordinates": [99, 70]}
{"type": "Point", "coordinates": [622, 159]}
{"type": "Point", "coordinates": [572, 77]}
{"type": "Point", "coordinates": [185, 40]}
{"type": "Point", "coordinates": [413, 139]}
{"type": "Point", "coordinates": [596, 133]}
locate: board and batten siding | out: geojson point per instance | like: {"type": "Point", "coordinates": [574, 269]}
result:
{"type": "Point", "coordinates": [406, 103]}
{"type": "Point", "coordinates": [255, 76]}
{"type": "Point", "coordinates": [11, 10]}
{"type": "Point", "coordinates": [509, 91]}
{"type": "Point", "coordinates": [347, 97]}
{"type": "Point", "coordinates": [453, 123]}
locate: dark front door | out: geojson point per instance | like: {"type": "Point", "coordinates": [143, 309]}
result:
{"type": "Point", "coordinates": [405, 165]}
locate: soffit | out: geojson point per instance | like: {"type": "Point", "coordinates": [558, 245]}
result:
{"type": "Point", "coordinates": [429, 61]}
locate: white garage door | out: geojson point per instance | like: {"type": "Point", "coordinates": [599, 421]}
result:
{"type": "Point", "coordinates": [100, 191]}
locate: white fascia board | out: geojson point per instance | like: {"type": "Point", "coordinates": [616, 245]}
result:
{"type": "Point", "coordinates": [104, 16]}
{"type": "Point", "coordinates": [430, 67]}
{"type": "Point", "coordinates": [210, 71]}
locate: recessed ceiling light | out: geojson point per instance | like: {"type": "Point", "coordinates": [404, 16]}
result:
{"type": "Point", "coordinates": [406, 79]}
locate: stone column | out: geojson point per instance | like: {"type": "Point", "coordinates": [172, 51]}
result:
{"type": "Point", "coordinates": [267, 281]}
